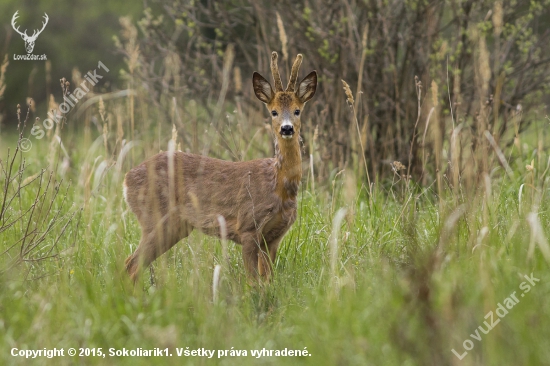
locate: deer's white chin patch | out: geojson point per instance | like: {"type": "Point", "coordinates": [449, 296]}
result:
{"type": "Point", "coordinates": [287, 137]}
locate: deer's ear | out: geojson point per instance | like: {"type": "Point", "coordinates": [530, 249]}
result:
{"type": "Point", "coordinates": [308, 86]}
{"type": "Point", "coordinates": [262, 88]}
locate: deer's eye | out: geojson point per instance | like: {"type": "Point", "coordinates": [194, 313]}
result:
{"type": "Point", "coordinates": [274, 113]}
{"type": "Point", "coordinates": [297, 112]}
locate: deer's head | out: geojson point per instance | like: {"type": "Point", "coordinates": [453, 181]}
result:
{"type": "Point", "coordinates": [29, 40]}
{"type": "Point", "coordinates": [285, 106]}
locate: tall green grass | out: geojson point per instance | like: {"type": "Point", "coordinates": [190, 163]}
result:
{"type": "Point", "coordinates": [416, 272]}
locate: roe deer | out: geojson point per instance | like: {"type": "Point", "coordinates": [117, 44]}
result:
{"type": "Point", "coordinates": [174, 192]}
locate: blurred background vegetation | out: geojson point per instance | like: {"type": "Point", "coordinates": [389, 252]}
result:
{"type": "Point", "coordinates": [78, 35]}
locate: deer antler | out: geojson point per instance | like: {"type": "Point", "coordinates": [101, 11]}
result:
{"type": "Point", "coordinates": [24, 34]}
{"type": "Point", "coordinates": [294, 73]}
{"type": "Point", "coordinates": [35, 34]}
{"type": "Point", "coordinates": [15, 16]}
{"type": "Point", "coordinates": [275, 72]}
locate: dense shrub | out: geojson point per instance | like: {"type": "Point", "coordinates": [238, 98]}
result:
{"type": "Point", "coordinates": [486, 59]}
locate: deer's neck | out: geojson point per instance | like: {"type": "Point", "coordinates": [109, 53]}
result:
{"type": "Point", "coordinates": [289, 167]}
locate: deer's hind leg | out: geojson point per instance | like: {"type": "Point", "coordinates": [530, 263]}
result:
{"type": "Point", "coordinates": [251, 249]}
{"type": "Point", "coordinates": [266, 258]}
{"type": "Point", "coordinates": [154, 242]}
{"type": "Point", "coordinates": [259, 257]}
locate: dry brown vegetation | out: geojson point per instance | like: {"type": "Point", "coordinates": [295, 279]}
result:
{"type": "Point", "coordinates": [421, 72]}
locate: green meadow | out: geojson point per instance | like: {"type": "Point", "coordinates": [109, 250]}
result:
{"type": "Point", "coordinates": [392, 275]}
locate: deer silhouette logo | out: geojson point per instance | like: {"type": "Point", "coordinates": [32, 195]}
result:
{"type": "Point", "coordinates": [29, 40]}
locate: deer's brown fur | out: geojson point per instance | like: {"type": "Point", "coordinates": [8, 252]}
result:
{"type": "Point", "coordinates": [173, 193]}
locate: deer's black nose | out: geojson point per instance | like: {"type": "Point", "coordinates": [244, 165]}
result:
{"type": "Point", "coordinates": [287, 130]}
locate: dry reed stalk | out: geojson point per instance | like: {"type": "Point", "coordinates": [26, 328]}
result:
{"type": "Point", "coordinates": [483, 76]}
{"type": "Point", "coordinates": [487, 199]}
{"type": "Point", "coordinates": [438, 143]}
{"type": "Point", "coordinates": [418, 89]}
{"type": "Point", "coordinates": [174, 134]}
{"type": "Point", "coordinates": [119, 127]}
{"type": "Point", "coordinates": [48, 71]}
{"type": "Point", "coordinates": [351, 103]}
{"type": "Point", "coordinates": [537, 236]}
{"type": "Point", "coordinates": [484, 68]}
{"type": "Point", "coordinates": [3, 69]}
{"type": "Point", "coordinates": [312, 148]}
{"type": "Point", "coordinates": [358, 92]}
{"type": "Point", "coordinates": [238, 83]}
{"type": "Point", "coordinates": [223, 235]}
{"type": "Point", "coordinates": [237, 79]}
{"type": "Point", "coordinates": [216, 282]}
{"type": "Point", "coordinates": [333, 241]}
{"type": "Point", "coordinates": [172, 178]}
{"type": "Point", "coordinates": [312, 174]}
{"type": "Point", "coordinates": [455, 159]}
{"type": "Point", "coordinates": [497, 30]}
{"type": "Point", "coordinates": [102, 113]}
{"type": "Point", "coordinates": [129, 34]}
{"type": "Point", "coordinates": [350, 195]}
{"type": "Point", "coordinates": [228, 57]}
{"type": "Point", "coordinates": [333, 197]}
{"type": "Point", "coordinates": [194, 124]}
{"type": "Point", "coordinates": [282, 37]}
{"type": "Point", "coordinates": [131, 108]}
{"type": "Point", "coordinates": [500, 154]}
{"type": "Point", "coordinates": [424, 140]}
{"type": "Point", "coordinates": [434, 94]}
{"type": "Point", "coordinates": [362, 63]}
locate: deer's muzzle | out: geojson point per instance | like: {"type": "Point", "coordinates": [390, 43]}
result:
{"type": "Point", "coordinates": [287, 130]}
